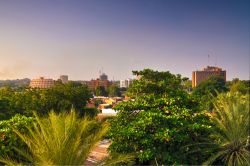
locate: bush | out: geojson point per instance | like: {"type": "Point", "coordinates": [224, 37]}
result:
{"type": "Point", "coordinates": [8, 138]}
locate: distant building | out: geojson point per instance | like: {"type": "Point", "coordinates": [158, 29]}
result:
{"type": "Point", "coordinates": [125, 83]}
{"type": "Point", "coordinates": [41, 83]}
{"type": "Point", "coordinates": [101, 81]}
{"type": "Point", "coordinates": [93, 84]}
{"type": "Point", "coordinates": [199, 76]}
{"type": "Point", "coordinates": [103, 76]}
{"type": "Point", "coordinates": [64, 78]}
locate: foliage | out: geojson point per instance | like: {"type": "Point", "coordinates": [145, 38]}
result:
{"type": "Point", "coordinates": [158, 121]}
{"type": "Point", "coordinates": [97, 102]}
{"type": "Point", "coordinates": [232, 120]}
{"type": "Point", "coordinates": [208, 89]}
{"type": "Point", "coordinates": [241, 86]}
{"type": "Point", "coordinates": [8, 139]}
{"type": "Point", "coordinates": [19, 83]}
{"type": "Point", "coordinates": [60, 97]}
{"type": "Point", "coordinates": [88, 112]}
{"type": "Point", "coordinates": [114, 91]}
{"type": "Point", "coordinates": [60, 139]}
{"type": "Point", "coordinates": [101, 91]}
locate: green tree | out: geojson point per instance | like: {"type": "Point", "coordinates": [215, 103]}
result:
{"type": "Point", "coordinates": [159, 121]}
{"type": "Point", "coordinates": [61, 97]}
{"type": "Point", "coordinates": [8, 139]}
{"type": "Point", "coordinates": [232, 121]}
{"type": "Point", "coordinates": [114, 91]}
{"type": "Point", "coordinates": [242, 86]}
{"type": "Point", "coordinates": [101, 91]}
{"type": "Point", "coordinates": [208, 89]}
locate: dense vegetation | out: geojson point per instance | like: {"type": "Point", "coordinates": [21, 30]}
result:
{"type": "Point", "coordinates": [163, 124]}
{"type": "Point", "coordinates": [60, 139]}
{"type": "Point", "coordinates": [232, 133]}
{"type": "Point", "coordinates": [8, 138]}
{"type": "Point", "coordinates": [160, 119]}
{"type": "Point", "coordinates": [61, 97]}
{"type": "Point", "coordinates": [165, 121]}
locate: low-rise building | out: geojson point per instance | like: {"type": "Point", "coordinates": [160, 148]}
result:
{"type": "Point", "coordinates": [125, 83]}
{"type": "Point", "coordinates": [42, 83]}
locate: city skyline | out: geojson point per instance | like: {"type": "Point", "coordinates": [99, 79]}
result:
{"type": "Point", "coordinates": [80, 38]}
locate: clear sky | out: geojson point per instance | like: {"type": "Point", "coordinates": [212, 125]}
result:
{"type": "Point", "coordinates": [80, 37]}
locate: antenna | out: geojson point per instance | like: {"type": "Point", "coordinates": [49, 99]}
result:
{"type": "Point", "coordinates": [208, 56]}
{"type": "Point", "coordinates": [215, 60]}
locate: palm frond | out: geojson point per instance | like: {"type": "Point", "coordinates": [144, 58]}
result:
{"type": "Point", "coordinates": [60, 139]}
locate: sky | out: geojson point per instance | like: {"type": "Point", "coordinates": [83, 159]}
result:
{"type": "Point", "coordinates": [80, 38]}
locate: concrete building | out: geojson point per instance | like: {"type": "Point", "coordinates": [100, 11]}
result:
{"type": "Point", "coordinates": [93, 84]}
{"type": "Point", "coordinates": [64, 78]}
{"type": "Point", "coordinates": [125, 83]}
{"type": "Point", "coordinates": [101, 81]}
{"type": "Point", "coordinates": [41, 83]}
{"type": "Point", "coordinates": [199, 76]}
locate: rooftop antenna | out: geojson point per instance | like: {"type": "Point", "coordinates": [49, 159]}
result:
{"type": "Point", "coordinates": [216, 61]}
{"type": "Point", "coordinates": [208, 56]}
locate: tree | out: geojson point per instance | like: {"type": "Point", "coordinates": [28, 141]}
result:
{"type": "Point", "coordinates": [61, 139]}
{"type": "Point", "coordinates": [114, 91]}
{"type": "Point", "coordinates": [159, 121]}
{"type": "Point", "coordinates": [232, 121]}
{"type": "Point", "coordinates": [208, 89]}
{"type": "Point", "coordinates": [61, 97]}
{"type": "Point", "coordinates": [8, 138]}
{"type": "Point", "coordinates": [101, 91]}
{"type": "Point", "coordinates": [241, 86]}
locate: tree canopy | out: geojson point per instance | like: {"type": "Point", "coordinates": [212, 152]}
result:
{"type": "Point", "coordinates": [61, 97]}
{"type": "Point", "coordinates": [160, 118]}
{"type": "Point", "coordinates": [208, 89]}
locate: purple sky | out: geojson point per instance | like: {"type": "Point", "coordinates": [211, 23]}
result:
{"type": "Point", "coordinates": [80, 37]}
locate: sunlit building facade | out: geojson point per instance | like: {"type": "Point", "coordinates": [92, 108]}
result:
{"type": "Point", "coordinates": [199, 76]}
{"type": "Point", "coordinates": [41, 83]}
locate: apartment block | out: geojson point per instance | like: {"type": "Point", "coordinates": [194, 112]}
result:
{"type": "Point", "coordinates": [205, 73]}
{"type": "Point", "coordinates": [41, 83]}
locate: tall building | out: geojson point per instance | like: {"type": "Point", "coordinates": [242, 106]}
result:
{"type": "Point", "coordinates": [41, 83]}
{"type": "Point", "coordinates": [199, 76]}
{"type": "Point", "coordinates": [125, 83]}
{"type": "Point", "coordinates": [64, 78]}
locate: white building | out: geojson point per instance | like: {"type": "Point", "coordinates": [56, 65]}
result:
{"type": "Point", "coordinates": [64, 78]}
{"type": "Point", "coordinates": [125, 83]}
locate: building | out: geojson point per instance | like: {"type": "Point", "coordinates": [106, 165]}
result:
{"type": "Point", "coordinates": [93, 84]}
{"type": "Point", "coordinates": [41, 83]}
{"type": "Point", "coordinates": [103, 77]}
{"type": "Point", "coordinates": [125, 83]}
{"type": "Point", "coordinates": [64, 78]}
{"type": "Point", "coordinates": [101, 81]}
{"type": "Point", "coordinates": [199, 76]}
